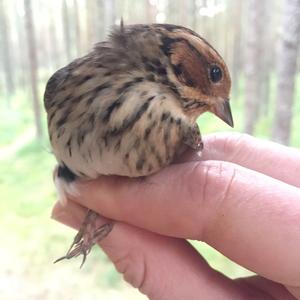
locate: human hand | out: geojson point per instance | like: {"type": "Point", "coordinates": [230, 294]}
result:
{"type": "Point", "coordinates": [242, 198]}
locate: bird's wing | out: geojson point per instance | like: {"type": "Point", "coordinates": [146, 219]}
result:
{"type": "Point", "coordinates": [65, 76]}
{"type": "Point", "coordinates": [54, 84]}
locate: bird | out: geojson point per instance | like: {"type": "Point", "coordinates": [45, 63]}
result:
{"type": "Point", "coordinates": [129, 108]}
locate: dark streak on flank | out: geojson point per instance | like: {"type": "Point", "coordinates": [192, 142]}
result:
{"type": "Point", "coordinates": [178, 121]}
{"type": "Point", "coordinates": [68, 98]}
{"type": "Point", "coordinates": [150, 98]}
{"type": "Point", "coordinates": [165, 116]}
{"type": "Point", "coordinates": [50, 116]}
{"type": "Point", "coordinates": [68, 145]}
{"type": "Point", "coordinates": [166, 135]}
{"type": "Point", "coordinates": [149, 129]}
{"type": "Point", "coordinates": [129, 122]}
{"type": "Point", "coordinates": [92, 94]}
{"type": "Point", "coordinates": [76, 100]}
{"type": "Point", "coordinates": [60, 132]}
{"type": "Point", "coordinates": [61, 122]}
{"type": "Point", "coordinates": [54, 85]}
{"type": "Point", "coordinates": [117, 145]}
{"type": "Point", "coordinates": [81, 115]}
{"type": "Point", "coordinates": [140, 163]}
{"type": "Point", "coordinates": [101, 87]}
{"type": "Point", "coordinates": [109, 110]}
{"type": "Point", "coordinates": [61, 105]}
{"type": "Point", "coordinates": [124, 87]}
{"type": "Point", "coordinates": [147, 132]}
{"type": "Point", "coordinates": [156, 155]}
{"type": "Point", "coordinates": [138, 79]}
{"type": "Point", "coordinates": [129, 84]}
{"type": "Point", "coordinates": [90, 101]}
{"type": "Point", "coordinates": [105, 140]}
{"type": "Point", "coordinates": [137, 143]}
{"type": "Point", "coordinates": [170, 85]}
{"type": "Point", "coordinates": [167, 130]}
{"type": "Point", "coordinates": [92, 119]}
{"type": "Point", "coordinates": [99, 65]}
{"type": "Point", "coordinates": [150, 78]}
{"type": "Point", "coordinates": [80, 137]}
{"type": "Point", "coordinates": [90, 154]}
{"type": "Point", "coordinates": [82, 174]}
{"type": "Point", "coordinates": [84, 79]}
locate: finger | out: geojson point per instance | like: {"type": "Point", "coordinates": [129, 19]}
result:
{"type": "Point", "coordinates": [141, 256]}
{"type": "Point", "coordinates": [275, 290]}
{"type": "Point", "coordinates": [251, 218]}
{"type": "Point", "coordinates": [272, 159]}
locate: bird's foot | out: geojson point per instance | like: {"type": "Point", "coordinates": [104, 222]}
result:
{"type": "Point", "coordinates": [192, 137]}
{"type": "Point", "coordinates": [87, 236]}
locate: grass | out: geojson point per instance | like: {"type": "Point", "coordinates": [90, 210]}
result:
{"type": "Point", "coordinates": [30, 240]}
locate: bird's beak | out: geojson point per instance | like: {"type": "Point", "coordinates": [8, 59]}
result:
{"type": "Point", "coordinates": [223, 111]}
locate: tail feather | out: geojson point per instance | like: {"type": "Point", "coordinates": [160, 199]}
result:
{"type": "Point", "coordinates": [65, 182]}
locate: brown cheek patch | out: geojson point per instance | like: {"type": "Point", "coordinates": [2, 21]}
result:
{"type": "Point", "coordinates": [190, 66]}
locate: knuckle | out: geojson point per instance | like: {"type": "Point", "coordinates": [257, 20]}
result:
{"type": "Point", "coordinates": [133, 266]}
{"type": "Point", "coordinates": [234, 143]}
{"type": "Point", "coordinates": [216, 178]}
{"type": "Point", "coordinates": [217, 183]}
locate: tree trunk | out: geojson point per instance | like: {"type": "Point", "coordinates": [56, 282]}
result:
{"type": "Point", "coordinates": [6, 52]}
{"type": "Point", "coordinates": [150, 12]}
{"type": "Point", "coordinates": [254, 55]}
{"type": "Point", "coordinates": [194, 15]}
{"type": "Point", "coordinates": [33, 66]}
{"type": "Point", "coordinates": [66, 28]}
{"type": "Point", "coordinates": [109, 13]}
{"type": "Point", "coordinates": [94, 22]}
{"type": "Point", "coordinates": [235, 12]}
{"type": "Point", "coordinates": [286, 70]}
{"type": "Point", "coordinates": [268, 36]}
{"type": "Point", "coordinates": [55, 57]}
{"type": "Point", "coordinates": [77, 27]}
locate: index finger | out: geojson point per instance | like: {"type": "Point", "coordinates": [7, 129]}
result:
{"type": "Point", "coordinates": [272, 159]}
{"type": "Point", "coordinates": [249, 217]}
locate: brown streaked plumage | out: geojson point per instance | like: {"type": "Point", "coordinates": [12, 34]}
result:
{"type": "Point", "coordinates": [129, 106]}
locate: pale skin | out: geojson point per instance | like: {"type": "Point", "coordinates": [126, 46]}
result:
{"type": "Point", "coordinates": [242, 198]}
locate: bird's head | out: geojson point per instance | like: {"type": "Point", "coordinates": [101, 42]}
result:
{"type": "Point", "coordinates": [192, 66]}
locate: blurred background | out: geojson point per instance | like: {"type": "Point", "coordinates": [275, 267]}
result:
{"type": "Point", "coordinates": [259, 40]}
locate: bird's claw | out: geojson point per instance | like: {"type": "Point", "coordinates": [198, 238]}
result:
{"type": "Point", "coordinates": [192, 137]}
{"type": "Point", "coordinates": [83, 243]}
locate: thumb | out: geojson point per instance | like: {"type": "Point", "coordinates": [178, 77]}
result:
{"type": "Point", "coordinates": [161, 267]}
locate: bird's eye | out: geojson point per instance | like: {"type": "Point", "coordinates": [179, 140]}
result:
{"type": "Point", "coordinates": [215, 74]}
